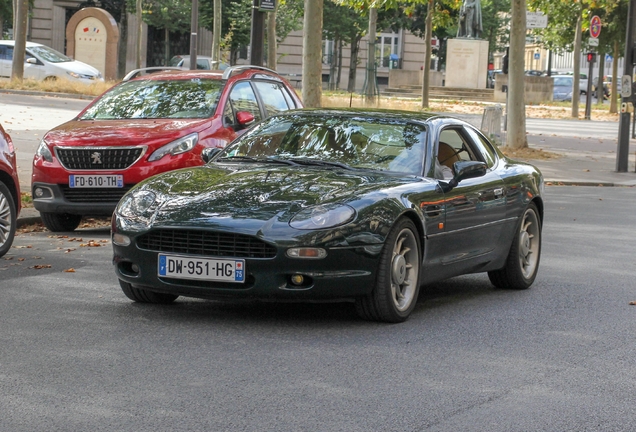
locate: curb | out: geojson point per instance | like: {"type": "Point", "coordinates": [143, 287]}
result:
{"type": "Point", "coordinates": [50, 94]}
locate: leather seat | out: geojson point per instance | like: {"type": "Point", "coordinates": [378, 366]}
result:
{"type": "Point", "coordinates": [447, 155]}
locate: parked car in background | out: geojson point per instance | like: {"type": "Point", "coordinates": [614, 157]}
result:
{"type": "Point", "coordinates": [582, 79]}
{"type": "Point", "coordinates": [44, 63]}
{"type": "Point", "coordinates": [562, 91]}
{"type": "Point", "coordinates": [146, 126]}
{"type": "Point", "coordinates": [334, 204]}
{"type": "Point", "coordinates": [10, 203]}
{"type": "Point", "coordinates": [203, 62]}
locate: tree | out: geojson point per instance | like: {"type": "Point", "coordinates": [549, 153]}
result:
{"type": "Point", "coordinates": [20, 31]}
{"type": "Point", "coordinates": [312, 54]}
{"type": "Point", "coordinates": [169, 15]}
{"type": "Point", "coordinates": [516, 110]}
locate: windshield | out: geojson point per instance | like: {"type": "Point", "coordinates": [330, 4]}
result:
{"type": "Point", "coordinates": [357, 142]}
{"type": "Point", "coordinates": [151, 99]}
{"type": "Point", "coordinates": [563, 81]}
{"type": "Point", "coordinates": [49, 54]}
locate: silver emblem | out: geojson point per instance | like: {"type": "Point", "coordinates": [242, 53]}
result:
{"type": "Point", "coordinates": [96, 158]}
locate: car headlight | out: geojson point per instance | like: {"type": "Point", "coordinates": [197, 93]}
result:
{"type": "Point", "coordinates": [176, 147]}
{"type": "Point", "coordinates": [44, 152]}
{"type": "Point", "coordinates": [322, 216]}
{"type": "Point", "coordinates": [136, 204]}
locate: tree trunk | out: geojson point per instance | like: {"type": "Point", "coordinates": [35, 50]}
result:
{"type": "Point", "coordinates": [353, 62]}
{"type": "Point", "coordinates": [122, 53]}
{"type": "Point", "coordinates": [515, 107]}
{"type": "Point", "coordinates": [576, 85]}
{"type": "Point", "coordinates": [371, 90]}
{"type": "Point", "coordinates": [614, 97]}
{"type": "Point", "coordinates": [272, 51]}
{"type": "Point", "coordinates": [599, 77]}
{"type": "Point", "coordinates": [339, 64]}
{"type": "Point", "coordinates": [426, 69]}
{"type": "Point", "coordinates": [166, 48]}
{"type": "Point", "coordinates": [216, 32]}
{"type": "Point", "coordinates": [140, 31]}
{"type": "Point", "coordinates": [312, 54]}
{"type": "Point", "coordinates": [19, 33]}
{"type": "Point", "coordinates": [333, 64]}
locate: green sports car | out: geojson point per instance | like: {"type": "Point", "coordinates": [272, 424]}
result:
{"type": "Point", "coordinates": [333, 204]}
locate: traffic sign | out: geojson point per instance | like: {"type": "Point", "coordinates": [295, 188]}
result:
{"type": "Point", "coordinates": [593, 42]}
{"type": "Point", "coordinates": [595, 27]}
{"type": "Point", "coordinates": [536, 20]}
{"type": "Point", "coordinates": [626, 86]}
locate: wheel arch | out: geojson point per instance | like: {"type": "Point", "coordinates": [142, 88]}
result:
{"type": "Point", "coordinates": [10, 184]}
{"type": "Point", "coordinates": [414, 217]}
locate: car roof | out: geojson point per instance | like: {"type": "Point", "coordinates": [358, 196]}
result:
{"type": "Point", "coordinates": [247, 71]}
{"type": "Point", "coordinates": [12, 43]}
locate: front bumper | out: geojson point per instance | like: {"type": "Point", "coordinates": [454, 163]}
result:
{"type": "Point", "coordinates": [54, 198]}
{"type": "Point", "coordinates": [345, 273]}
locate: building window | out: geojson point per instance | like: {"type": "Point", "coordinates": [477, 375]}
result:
{"type": "Point", "coordinates": [386, 49]}
{"type": "Point", "coordinates": [327, 51]}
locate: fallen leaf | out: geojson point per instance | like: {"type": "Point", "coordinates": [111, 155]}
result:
{"type": "Point", "coordinates": [41, 266]}
{"type": "Point", "coordinates": [69, 270]}
{"type": "Point", "coordinates": [632, 303]}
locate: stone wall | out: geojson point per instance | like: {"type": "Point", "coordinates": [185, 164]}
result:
{"type": "Point", "coordinates": [537, 88]}
{"type": "Point", "coordinates": [399, 78]}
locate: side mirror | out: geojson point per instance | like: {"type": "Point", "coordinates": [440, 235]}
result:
{"type": "Point", "coordinates": [464, 170]}
{"type": "Point", "coordinates": [32, 60]}
{"type": "Point", "coordinates": [208, 153]}
{"type": "Point", "coordinates": [244, 118]}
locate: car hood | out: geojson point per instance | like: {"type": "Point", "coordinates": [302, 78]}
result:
{"type": "Point", "coordinates": [130, 132]}
{"type": "Point", "coordinates": [78, 67]}
{"type": "Point", "coordinates": [251, 197]}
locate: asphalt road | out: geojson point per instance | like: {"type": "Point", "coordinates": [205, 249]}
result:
{"type": "Point", "coordinates": [76, 354]}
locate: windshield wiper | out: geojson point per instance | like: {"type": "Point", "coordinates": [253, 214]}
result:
{"type": "Point", "coordinates": [319, 162]}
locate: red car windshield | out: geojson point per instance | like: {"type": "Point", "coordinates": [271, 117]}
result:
{"type": "Point", "coordinates": [151, 99]}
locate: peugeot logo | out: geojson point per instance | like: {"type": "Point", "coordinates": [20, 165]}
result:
{"type": "Point", "coordinates": [96, 158]}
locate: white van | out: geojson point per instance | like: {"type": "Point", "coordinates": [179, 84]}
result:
{"type": "Point", "coordinates": [42, 63]}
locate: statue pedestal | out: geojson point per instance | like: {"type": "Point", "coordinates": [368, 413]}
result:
{"type": "Point", "coordinates": [466, 63]}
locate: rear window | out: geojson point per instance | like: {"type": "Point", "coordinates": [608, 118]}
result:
{"type": "Point", "coordinates": [152, 99]}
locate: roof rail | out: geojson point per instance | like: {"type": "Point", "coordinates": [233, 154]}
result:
{"type": "Point", "coordinates": [227, 73]}
{"type": "Point", "coordinates": [143, 71]}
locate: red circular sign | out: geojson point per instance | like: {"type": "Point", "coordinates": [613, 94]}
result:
{"type": "Point", "coordinates": [595, 26]}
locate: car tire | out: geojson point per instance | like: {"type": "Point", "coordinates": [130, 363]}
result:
{"type": "Point", "coordinates": [60, 222]}
{"type": "Point", "coordinates": [8, 219]}
{"type": "Point", "coordinates": [398, 277]}
{"type": "Point", "coordinates": [141, 295]}
{"type": "Point", "coordinates": [523, 259]}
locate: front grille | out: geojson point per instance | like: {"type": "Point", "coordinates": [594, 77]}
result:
{"type": "Point", "coordinates": [86, 195]}
{"type": "Point", "coordinates": [98, 158]}
{"type": "Point", "coordinates": [206, 243]}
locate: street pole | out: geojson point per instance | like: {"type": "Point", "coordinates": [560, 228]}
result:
{"type": "Point", "coordinates": [257, 37]}
{"type": "Point", "coordinates": [588, 90]}
{"type": "Point", "coordinates": [194, 26]}
{"type": "Point", "coordinates": [622, 152]}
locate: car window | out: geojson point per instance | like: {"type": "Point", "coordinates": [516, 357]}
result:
{"type": "Point", "coordinates": [6, 52]}
{"type": "Point", "coordinates": [272, 96]}
{"type": "Point", "coordinates": [242, 98]}
{"type": "Point", "coordinates": [462, 149]}
{"type": "Point", "coordinates": [388, 145]}
{"type": "Point", "coordinates": [484, 147]}
{"type": "Point", "coordinates": [203, 64]}
{"type": "Point", "coordinates": [154, 99]}
{"type": "Point", "coordinates": [49, 54]}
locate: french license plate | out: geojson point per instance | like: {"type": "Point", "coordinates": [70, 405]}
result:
{"type": "Point", "coordinates": [96, 181]}
{"type": "Point", "coordinates": [186, 267]}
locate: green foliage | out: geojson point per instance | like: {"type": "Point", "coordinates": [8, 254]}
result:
{"type": "Point", "coordinates": [171, 15]}
{"type": "Point", "coordinates": [563, 14]}
{"type": "Point", "coordinates": [6, 15]}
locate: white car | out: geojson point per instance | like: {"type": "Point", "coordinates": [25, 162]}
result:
{"type": "Point", "coordinates": [43, 63]}
{"type": "Point", "coordinates": [203, 62]}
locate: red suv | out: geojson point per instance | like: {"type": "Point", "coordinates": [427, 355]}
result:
{"type": "Point", "coordinates": [145, 126]}
{"type": "Point", "coordinates": [9, 192]}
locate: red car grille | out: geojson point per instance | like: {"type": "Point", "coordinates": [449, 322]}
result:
{"type": "Point", "coordinates": [206, 243]}
{"type": "Point", "coordinates": [98, 158]}
{"type": "Point", "coordinates": [86, 195]}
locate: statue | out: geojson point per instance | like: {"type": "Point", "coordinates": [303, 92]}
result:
{"type": "Point", "coordinates": [470, 19]}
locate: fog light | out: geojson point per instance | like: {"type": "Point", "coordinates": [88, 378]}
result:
{"type": "Point", "coordinates": [39, 192]}
{"type": "Point", "coordinates": [135, 268]}
{"type": "Point", "coordinates": [121, 240]}
{"type": "Point", "coordinates": [309, 253]}
{"type": "Point", "coordinates": [297, 279]}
